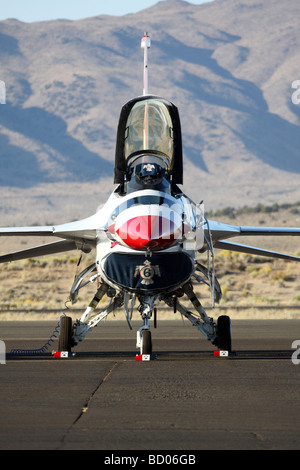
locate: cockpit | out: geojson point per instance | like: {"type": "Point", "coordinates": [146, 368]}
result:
{"type": "Point", "coordinates": [149, 147]}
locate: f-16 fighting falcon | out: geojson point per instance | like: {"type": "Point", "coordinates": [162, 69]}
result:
{"type": "Point", "coordinates": [148, 234]}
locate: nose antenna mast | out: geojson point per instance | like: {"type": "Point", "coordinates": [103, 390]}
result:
{"type": "Point", "coordinates": [145, 44]}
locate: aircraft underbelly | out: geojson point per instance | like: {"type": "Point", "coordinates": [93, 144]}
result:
{"type": "Point", "coordinates": [137, 273]}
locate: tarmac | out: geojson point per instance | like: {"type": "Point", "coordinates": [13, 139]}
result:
{"type": "Point", "coordinates": [185, 400]}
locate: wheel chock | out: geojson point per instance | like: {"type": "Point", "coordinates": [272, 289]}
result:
{"type": "Point", "coordinates": [224, 353]}
{"type": "Point", "coordinates": [144, 357]}
{"type": "Point", "coordinates": [221, 353]}
{"type": "Point", "coordinates": [63, 354]}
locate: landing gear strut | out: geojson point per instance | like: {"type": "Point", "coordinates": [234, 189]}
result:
{"type": "Point", "coordinates": [144, 337]}
{"type": "Point", "coordinates": [70, 336]}
{"type": "Point", "coordinates": [219, 333]}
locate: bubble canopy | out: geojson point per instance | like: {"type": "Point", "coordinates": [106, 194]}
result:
{"type": "Point", "coordinates": [149, 132]}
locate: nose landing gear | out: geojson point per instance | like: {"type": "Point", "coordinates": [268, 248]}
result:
{"type": "Point", "coordinates": [144, 336]}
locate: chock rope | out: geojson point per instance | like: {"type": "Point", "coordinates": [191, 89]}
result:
{"type": "Point", "coordinates": [43, 349]}
{"type": "Point", "coordinates": [54, 335]}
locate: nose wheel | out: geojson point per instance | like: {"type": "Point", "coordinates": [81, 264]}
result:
{"type": "Point", "coordinates": [146, 347]}
{"type": "Point", "coordinates": [144, 341]}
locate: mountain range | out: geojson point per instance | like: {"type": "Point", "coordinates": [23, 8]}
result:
{"type": "Point", "coordinates": [228, 65]}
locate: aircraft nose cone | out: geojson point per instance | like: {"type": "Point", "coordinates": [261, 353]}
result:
{"type": "Point", "coordinates": [151, 232]}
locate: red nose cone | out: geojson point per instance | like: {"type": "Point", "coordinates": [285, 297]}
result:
{"type": "Point", "coordinates": [148, 232]}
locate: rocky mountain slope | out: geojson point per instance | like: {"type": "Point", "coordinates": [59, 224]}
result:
{"type": "Point", "coordinates": [228, 65]}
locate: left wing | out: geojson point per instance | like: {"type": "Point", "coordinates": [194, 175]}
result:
{"type": "Point", "coordinates": [225, 245]}
{"type": "Point", "coordinates": [220, 232]}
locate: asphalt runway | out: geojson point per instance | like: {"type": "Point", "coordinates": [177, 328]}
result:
{"type": "Point", "coordinates": [184, 400]}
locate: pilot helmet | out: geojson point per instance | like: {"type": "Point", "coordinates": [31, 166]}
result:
{"type": "Point", "coordinates": [149, 173]}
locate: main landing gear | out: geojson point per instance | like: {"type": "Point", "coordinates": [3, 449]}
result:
{"type": "Point", "coordinates": [219, 333]}
{"type": "Point", "coordinates": [70, 335]}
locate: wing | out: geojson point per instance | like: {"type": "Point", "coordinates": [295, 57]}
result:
{"type": "Point", "coordinates": [225, 245]}
{"type": "Point", "coordinates": [82, 230]}
{"type": "Point", "coordinates": [26, 231]}
{"type": "Point", "coordinates": [80, 235]}
{"type": "Point", "coordinates": [47, 249]}
{"type": "Point", "coordinates": [220, 232]}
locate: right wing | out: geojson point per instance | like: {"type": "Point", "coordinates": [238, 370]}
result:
{"type": "Point", "coordinates": [47, 249]}
{"type": "Point", "coordinates": [82, 230]}
{"type": "Point", "coordinates": [26, 231]}
{"type": "Point", "coordinates": [80, 235]}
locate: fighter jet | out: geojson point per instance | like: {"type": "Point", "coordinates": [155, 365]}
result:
{"type": "Point", "coordinates": [148, 234]}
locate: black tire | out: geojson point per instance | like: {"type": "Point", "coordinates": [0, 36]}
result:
{"type": "Point", "coordinates": [223, 341]}
{"type": "Point", "coordinates": [65, 334]}
{"type": "Point", "coordinates": [146, 342]}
